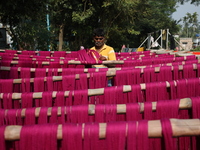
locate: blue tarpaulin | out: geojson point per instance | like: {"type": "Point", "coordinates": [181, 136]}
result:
{"type": "Point", "coordinates": [197, 35]}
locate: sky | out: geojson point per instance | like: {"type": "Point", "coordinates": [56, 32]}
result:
{"type": "Point", "coordinates": [186, 8]}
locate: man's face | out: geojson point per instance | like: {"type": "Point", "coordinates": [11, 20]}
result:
{"type": "Point", "coordinates": [99, 41]}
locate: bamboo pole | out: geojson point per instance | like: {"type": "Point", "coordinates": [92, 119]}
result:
{"type": "Point", "coordinates": [86, 70]}
{"type": "Point", "coordinates": [19, 52]}
{"type": "Point", "coordinates": [91, 92]}
{"type": "Point", "coordinates": [180, 127]}
{"type": "Point", "coordinates": [36, 58]}
{"type": "Point", "coordinates": [110, 73]}
{"type": "Point", "coordinates": [75, 62]}
{"type": "Point", "coordinates": [185, 103]}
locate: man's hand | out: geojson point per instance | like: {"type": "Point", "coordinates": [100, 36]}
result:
{"type": "Point", "coordinates": [102, 58]}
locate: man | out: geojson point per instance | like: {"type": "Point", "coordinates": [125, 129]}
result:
{"type": "Point", "coordinates": [106, 52]}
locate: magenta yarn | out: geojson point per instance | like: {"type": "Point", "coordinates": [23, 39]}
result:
{"type": "Point", "coordinates": [68, 82]}
{"type": "Point", "coordinates": [38, 84]}
{"type": "Point", "coordinates": [136, 94]}
{"type": "Point", "coordinates": [99, 113]}
{"type": "Point", "coordinates": [26, 85]}
{"type": "Point", "coordinates": [44, 53]}
{"type": "Point", "coordinates": [133, 112]}
{"type": "Point", "coordinates": [25, 73]}
{"type": "Point", "coordinates": [165, 73]}
{"type": "Point", "coordinates": [148, 112]}
{"type": "Point", "coordinates": [40, 72]}
{"type": "Point", "coordinates": [27, 100]}
{"type": "Point", "coordinates": [69, 99]}
{"type": "Point", "coordinates": [59, 99]}
{"type": "Point", "coordinates": [7, 101]}
{"type": "Point", "coordinates": [151, 91]}
{"type": "Point", "coordinates": [193, 87]}
{"type": "Point", "coordinates": [30, 116]}
{"type": "Point", "coordinates": [6, 85]}
{"type": "Point", "coordinates": [38, 137]}
{"type": "Point", "coordinates": [54, 115]}
{"type": "Point", "coordinates": [182, 86]}
{"type": "Point", "coordinates": [195, 107]}
{"type": "Point", "coordinates": [80, 97]}
{"type": "Point", "coordinates": [142, 135]}
{"type": "Point", "coordinates": [188, 71]}
{"type": "Point", "coordinates": [195, 115]}
{"type": "Point", "coordinates": [2, 138]}
{"type": "Point", "coordinates": [49, 83]}
{"type": "Point", "coordinates": [167, 109]}
{"type": "Point", "coordinates": [10, 118]}
{"type": "Point", "coordinates": [132, 135]}
{"type": "Point", "coordinates": [173, 90]}
{"type": "Point", "coordinates": [176, 72]}
{"type": "Point", "coordinates": [110, 113]}
{"type": "Point", "coordinates": [82, 82]}
{"type": "Point", "coordinates": [62, 117]}
{"type": "Point", "coordinates": [72, 137]}
{"type": "Point", "coordinates": [91, 136]}
{"type": "Point", "coordinates": [110, 95]}
{"type": "Point", "coordinates": [149, 75]}
{"type": "Point", "coordinates": [46, 100]}
{"type": "Point", "coordinates": [2, 117]}
{"type": "Point", "coordinates": [42, 119]}
{"type": "Point", "coordinates": [115, 136]}
{"type": "Point", "coordinates": [79, 114]}
{"type": "Point", "coordinates": [169, 141]}
{"type": "Point", "coordinates": [163, 93]}
{"type": "Point", "coordinates": [97, 80]}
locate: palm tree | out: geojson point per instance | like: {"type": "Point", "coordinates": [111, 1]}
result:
{"type": "Point", "coordinates": [190, 24]}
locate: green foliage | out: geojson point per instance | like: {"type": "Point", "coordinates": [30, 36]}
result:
{"type": "Point", "coordinates": [34, 37]}
{"type": "Point", "coordinates": [190, 25]}
{"type": "Point", "coordinates": [197, 49]}
{"type": "Point", "coordinates": [81, 17]}
{"type": "Point", "coordinates": [125, 21]}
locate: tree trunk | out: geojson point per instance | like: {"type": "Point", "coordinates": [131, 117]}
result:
{"type": "Point", "coordinates": [60, 46]}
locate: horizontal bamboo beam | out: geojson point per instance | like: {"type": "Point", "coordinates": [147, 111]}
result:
{"type": "Point", "coordinates": [91, 92]}
{"type": "Point", "coordinates": [19, 52]}
{"type": "Point", "coordinates": [180, 127]}
{"type": "Point", "coordinates": [59, 78]}
{"type": "Point", "coordinates": [74, 62]}
{"type": "Point", "coordinates": [85, 70]}
{"type": "Point", "coordinates": [185, 103]}
{"type": "Point", "coordinates": [36, 58]}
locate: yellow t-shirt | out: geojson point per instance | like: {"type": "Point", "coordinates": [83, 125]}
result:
{"type": "Point", "coordinates": [107, 52]}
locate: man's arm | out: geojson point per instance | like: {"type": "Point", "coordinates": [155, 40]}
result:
{"type": "Point", "coordinates": [111, 56]}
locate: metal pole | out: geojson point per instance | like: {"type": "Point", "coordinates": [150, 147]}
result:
{"type": "Point", "coordinates": [161, 40]}
{"type": "Point", "coordinates": [143, 42]}
{"type": "Point", "coordinates": [149, 41]}
{"type": "Point", "coordinates": [167, 39]}
{"type": "Point", "coordinates": [48, 27]}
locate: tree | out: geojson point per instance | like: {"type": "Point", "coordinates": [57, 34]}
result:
{"type": "Point", "coordinates": [190, 25]}
{"type": "Point", "coordinates": [26, 24]}
{"type": "Point", "coordinates": [195, 2]}
{"type": "Point", "coordinates": [72, 21]}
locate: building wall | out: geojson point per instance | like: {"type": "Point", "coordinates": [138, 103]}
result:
{"type": "Point", "coordinates": [186, 43]}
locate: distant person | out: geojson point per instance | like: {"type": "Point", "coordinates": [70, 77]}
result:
{"type": "Point", "coordinates": [123, 48]}
{"type": "Point", "coordinates": [82, 47]}
{"type": "Point", "coordinates": [106, 52]}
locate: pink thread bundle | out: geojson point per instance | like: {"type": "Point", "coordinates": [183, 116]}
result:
{"type": "Point", "coordinates": [100, 126]}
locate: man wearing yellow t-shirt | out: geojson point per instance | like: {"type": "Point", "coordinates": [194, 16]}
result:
{"type": "Point", "coordinates": [106, 52]}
